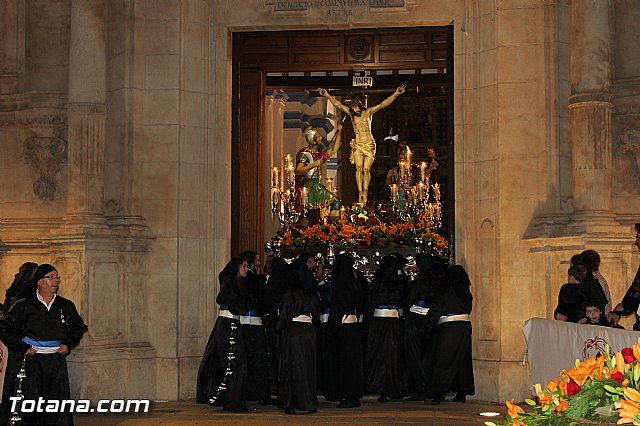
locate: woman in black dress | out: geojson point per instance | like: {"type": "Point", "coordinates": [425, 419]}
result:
{"type": "Point", "coordinates": [344, 369]}
{"type": "Point", "coordinates": [224, 364]}
{"type": "Point", "coordinates": [297, 372]}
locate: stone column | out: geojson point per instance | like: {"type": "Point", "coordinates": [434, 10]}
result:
{"type": "Point", "coordinates": [87, 111]}
{"type": "Point", "coordinates": [591, 107]}
{"type": "Point", "coordinates": [11, 45]}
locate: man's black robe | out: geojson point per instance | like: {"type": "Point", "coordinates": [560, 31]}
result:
{"type": "Point", "coordinates": [46, 374]}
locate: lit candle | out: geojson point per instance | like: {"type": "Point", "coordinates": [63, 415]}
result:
{"type": "Point", "coordinates": [305, 197]}
{"type": "Point", "coordinates": [402, 169]}
{"type": "Point", "coordinates": [330, 184]}
{"type": "Point", "coordinates": [290, 174]}
{"type": "Point", "coordinates": [394, 193]}
{"type": "Point", "coordinates": [409, 154]}
{"type": "Point", "coordinates": [423, 171]}
{"type": "Point", "coordinates": [275, 177]}
{"type": "Point", "coordinates": [436, 191]}
{"type": "Point", "coordinates": [421, 191]}
{"type": "Point", "coordinates": [275, 197]}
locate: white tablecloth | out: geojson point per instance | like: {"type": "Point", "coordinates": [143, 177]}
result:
{"type": "Point", "coordinates": [554, 346]}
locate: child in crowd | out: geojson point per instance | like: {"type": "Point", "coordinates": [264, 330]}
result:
{"type": "Point", "coordinates": [593, 315]}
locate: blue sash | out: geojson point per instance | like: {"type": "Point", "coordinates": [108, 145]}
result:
{"type": "Point", "coordinates": [42, 343]}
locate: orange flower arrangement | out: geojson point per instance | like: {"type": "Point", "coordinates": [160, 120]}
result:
{"type": "Point", "coordinates": [598, 389]}
{"type": "Point", "coordinates": [360, 225]}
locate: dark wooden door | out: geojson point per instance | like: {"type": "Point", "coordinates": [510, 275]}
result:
{"type": "Point", "coordinates": [416, 56]}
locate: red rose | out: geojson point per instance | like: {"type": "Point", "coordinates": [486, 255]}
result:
{"type": "Point", "coordinates": [572, 388]}
{"type": "Point", "coordinates": [618, 376]}
{"type": "Point", "coordinates": [627, 354]}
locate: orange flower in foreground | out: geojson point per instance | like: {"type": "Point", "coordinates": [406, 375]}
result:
{"type": "Point", "coordinates": [513, 410]}
{"type": "Point", "coordinates": [562, 405]}
{"type": "Point", "coordinates": [627, 410]}
{"type": "Point", "coordinates": [620, 364]}
{"type": "Point", "coordinates": [631, 394]}
{"type": "Point", "coordinates": [583, 372]}
{"type": "Point", "coordinates": [636, 351]}
{"type": "Point", "coordinates": [563, 386]}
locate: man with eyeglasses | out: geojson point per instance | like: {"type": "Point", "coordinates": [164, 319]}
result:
{"type": "Point", "coordinates": [39, 331]}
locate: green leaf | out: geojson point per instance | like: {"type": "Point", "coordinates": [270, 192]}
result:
{"type": "Point", "coordinates": [531, 402]}
{"type": "Point", "coordinates": [613, 390]}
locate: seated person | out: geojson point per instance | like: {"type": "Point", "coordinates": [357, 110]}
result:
{"type": "Point", "coordinates": [572, 296]}
{"type": "Point", "coordinates": [594, 316]}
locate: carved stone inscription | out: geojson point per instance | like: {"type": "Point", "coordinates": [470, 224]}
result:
{"type": "Point", "coordinates": [332, 7]}
{"type": "Point", "coordinates": [47, 156]}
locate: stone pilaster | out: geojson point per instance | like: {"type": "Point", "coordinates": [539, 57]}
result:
{"type": "Point", "coordinates": [11, 46]}
{"type": "Point", "coordinates": [591, 107]}
{"type": "Point", "coordinates": [87, 112]}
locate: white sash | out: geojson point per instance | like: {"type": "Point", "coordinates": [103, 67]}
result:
{"type": "Point", "coordinates": [386, 313]}
{"type": "Point", "coordinates": [420, 310]}
{"type": "Point", "coordinates": [302, 318]}
{"type": "Point", "coordinates": [227, 314]}
{"type": "Point", "coordinates": [460, 317]}
{"type": "Point", "coordinates": [349, 319]}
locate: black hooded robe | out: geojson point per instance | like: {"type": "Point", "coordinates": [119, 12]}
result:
{"type": "Point", "coordinates": [297, 388]}
{"type": "Point", "coordinates": [451, 367]}
{"type": "Point", "coordinates": [224, 364]}
{"type": "Point", "coordinates": [343, 367]}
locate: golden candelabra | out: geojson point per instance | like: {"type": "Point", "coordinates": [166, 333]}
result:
{"type": "Point", "coordinates": [416, 205]}
{"type": "Point", "coordinates": [283, 195]}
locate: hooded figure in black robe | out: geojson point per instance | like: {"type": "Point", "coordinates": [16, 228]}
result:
{"type": "Point", "coordinates": [324, 303]}
{"type": "Point", "coordinates": [39, 338]}
{"type": "Point", "coordinates": [384, 345]}
{"type": "Point", "coordinates": [256, 384]}
{"type": "Point", "coordinates": [418, 324]}
{"type": "Point", "coordinates": [224, 364]}
{"type": "Point", "coordinates": [451, 368]}
{"type": "Point", "coordinates": [343, 367]}
{"type": "Point", "coordinates": [20, 283]}
{"type": "Point", "coordinates": [297, 372]}
{"type": "Point", "coordinates": [275, 289]}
